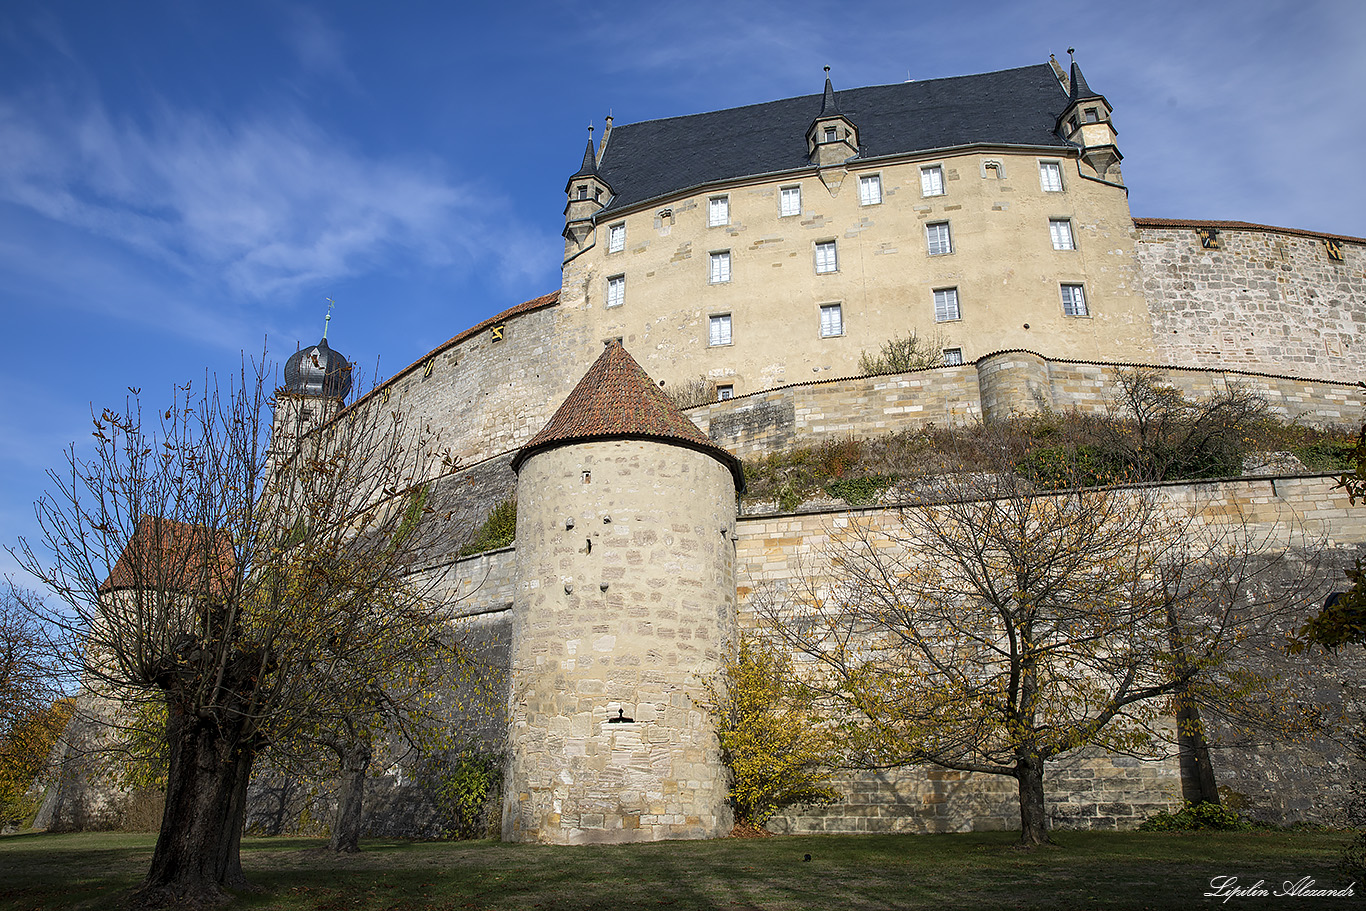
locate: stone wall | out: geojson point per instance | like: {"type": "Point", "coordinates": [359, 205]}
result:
{"type": "Point", "coordinates": [625, 600]}
{"type": "Point", "coordinates": [1268, 299]}
{"type": "Point", "coordinates": [1270, 778]}
{"type": "Point", "coordinates": [993, 387]}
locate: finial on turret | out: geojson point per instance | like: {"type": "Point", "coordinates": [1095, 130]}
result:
{"type": "Point", "coordinates": [827, 70]}
{"type": "Point", "coordinates": [328, 319]}
{"type": "Point", "coordinates": [1070, 52]}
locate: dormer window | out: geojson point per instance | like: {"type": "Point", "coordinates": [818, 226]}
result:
{"type": "Point", "coordinates": [597, 194]}
{"type": "Point", "coordinates": [1092, 116]}
{"type": "Point", "coordinates": [583, 191]}
{"type": "Point", "coordinates": [831, 134]}
{"type": "Point", "coordinates": [1073, 124]}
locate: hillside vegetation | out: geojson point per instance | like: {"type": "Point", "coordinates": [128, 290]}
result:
{"type": "Point", "coordinates": [1150, 433]}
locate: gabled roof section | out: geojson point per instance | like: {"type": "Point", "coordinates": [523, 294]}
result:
{"type": "Point", "coordinates": [617, 400]}
{"type": "Point", "coordinates": [657, 158]}
{"type": "Point", "coordinates": [170, 556]}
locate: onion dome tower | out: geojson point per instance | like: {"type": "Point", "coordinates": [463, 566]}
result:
{"type": "Point", "coordinates": [624, 605]}
{"type": "Point", "coordinates": [317, 381]}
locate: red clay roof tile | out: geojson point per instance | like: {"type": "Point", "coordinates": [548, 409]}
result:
{"type": "Point", "coordinates": [616, 399]}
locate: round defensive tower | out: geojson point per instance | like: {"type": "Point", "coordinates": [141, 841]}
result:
{"type": "Point", "coordinates": [624, 608]}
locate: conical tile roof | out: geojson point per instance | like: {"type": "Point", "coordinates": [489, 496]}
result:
{"type": "Point", "coordinates": [617, 400]}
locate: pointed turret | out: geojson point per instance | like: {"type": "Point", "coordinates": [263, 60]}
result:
{"type": "Point", "coordinates": [617, 400]}
{"type": "Point", "coordinates": [832, 138]}
{"type": "Point", "coordinates": [1086, 121]}
{"type": "Point", "coordinates": [625, 597]}
{"type": "Point", "coordinates": [588, 192]}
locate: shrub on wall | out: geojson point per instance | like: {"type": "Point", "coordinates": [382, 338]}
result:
{"type": "Point", "coordinates": [498, 530]}
{"type": "Point", "coordinates": [898, 355]}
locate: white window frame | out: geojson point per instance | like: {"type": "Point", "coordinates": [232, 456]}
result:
{"type": "Point", "coordinates": [832, 320]}
{"type": "Point", "coordinates": [1060, 232]}
{"type": "Point", "coordinates": [1074, 300]}
{"type": "Point", "coordinates": [616, 237]}
{"type": "Point", "coordinates": [870, 190]}
{"type": "Point", "coordinates": [938, 238]}
{"type": "Point", "coordinates": [616, 291]}
{"type": "Point", "coordinates": [725, 392]}
{"type": "Point", "coordinates": [719, 330]}
{"type": "Point", "coordinates": [1050, 176]}
{"type": "Point", "coordinates": [827, 257]}
{"type": "Point", "coordinates": [831, 134]}
{"type": "Point", "coordinates": [953, 357]}
{"type": "Point", "coordinates": [946, 307]}
{"type": "Point", "coordinates": [719, 272]}
{"type": "Point", "coordinates": [718, 211]}
{"type": "Point", "coordinates": [932, 180]}
{"type": "Point", "coordinates": [790, 201]}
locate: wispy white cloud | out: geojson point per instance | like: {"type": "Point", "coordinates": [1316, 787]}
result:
{"type": "Point", "coordinates": [263, 205]}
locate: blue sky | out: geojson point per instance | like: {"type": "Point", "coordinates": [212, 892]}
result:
{"type": "Point", "coordinates": [181, 182]}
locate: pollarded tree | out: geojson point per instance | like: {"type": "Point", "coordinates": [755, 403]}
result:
{"type": "Point", "coordinates": [991, 628]}
{"type": "Point", "coordinates": [237, 586]}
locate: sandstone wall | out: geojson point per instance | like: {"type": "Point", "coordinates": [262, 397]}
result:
{"type": "Point", "coordinates": [1269, 778]}
{"type": "Point", "coordinates": [1267, 300]}
{"type": "Point", "coordinates": [994, 387]}
{"type": "Point", "coordinates": [625, 601]}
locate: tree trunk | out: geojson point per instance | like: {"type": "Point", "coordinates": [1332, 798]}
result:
{"type": "Point", "coordinates": [1197, 772]}
{"type": "Point", "coordinates": [355, 761]}
{"type": "Point", "coordinates": [197, 848]}
{"type": "Point", "coordinates": [1033, 822]}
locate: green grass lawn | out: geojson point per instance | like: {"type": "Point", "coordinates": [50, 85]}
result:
{"type": "Point", "coordinates": [982, 870]}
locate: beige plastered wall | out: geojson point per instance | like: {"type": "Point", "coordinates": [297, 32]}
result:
{"type": "Point", "coordinates": [1003, 266]}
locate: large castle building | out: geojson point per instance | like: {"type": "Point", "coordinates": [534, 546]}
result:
{"type": "Point", "coordinates": [763, 250]}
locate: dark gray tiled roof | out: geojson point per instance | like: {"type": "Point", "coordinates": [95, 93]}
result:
{"type": "Point", "coordinates": [658, 157]}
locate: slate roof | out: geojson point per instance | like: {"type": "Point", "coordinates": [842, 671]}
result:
{"type": "Point", "coordinates": [617, 400]}
{"type": "Point", "coordinates": [657, 158]}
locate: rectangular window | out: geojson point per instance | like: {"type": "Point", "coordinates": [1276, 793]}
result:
{"type": "Point", "coordinates": [1074, 301]}
{"type": "Point", "coordinates": [870, 190]}
{"type": "Point", "coordinates": [946, 305]}
{"type": "Point", "coordinates": [832, 320]}
{"type": "Point", "coordinates": [1060, 229]}
{"type": "Point", "coordinates": [1050, 176]}
{"type": "Point", "coordinates": [953, 357]}
{"type": "Point", "coordinates": [720, 267]}
{"type": "Point", "coordinates": [616, 238]}
{"type": "Point", "coordinates": [939, 240]}
{"type": "Point", "coordinates": [718, 211]}
{"type": "Point", "coordinates": [616, 290]}
{"type": "Point", "coordinates": [1092, 115]}
{"type": "Point", "coordinates": [825, 257]}
{"type": "Point", "coordinates": [725, 393]}
{"type": "Point", "coordinates": [932, 181]}
{"type": "Point", "coordinates": [830, 134]}
{"type": "Point", "coordinates": [791, 203]}
{"type": "Point", "coordinates": [720, 330]}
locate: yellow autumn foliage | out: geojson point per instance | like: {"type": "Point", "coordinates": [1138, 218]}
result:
{"type": "Point", "coordinates": [778, 750]}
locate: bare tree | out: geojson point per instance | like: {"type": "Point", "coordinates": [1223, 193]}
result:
{"type": "Point", "coordinates": [238, 586]}
{"type": "Point", "coordinates": [991, 628]}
